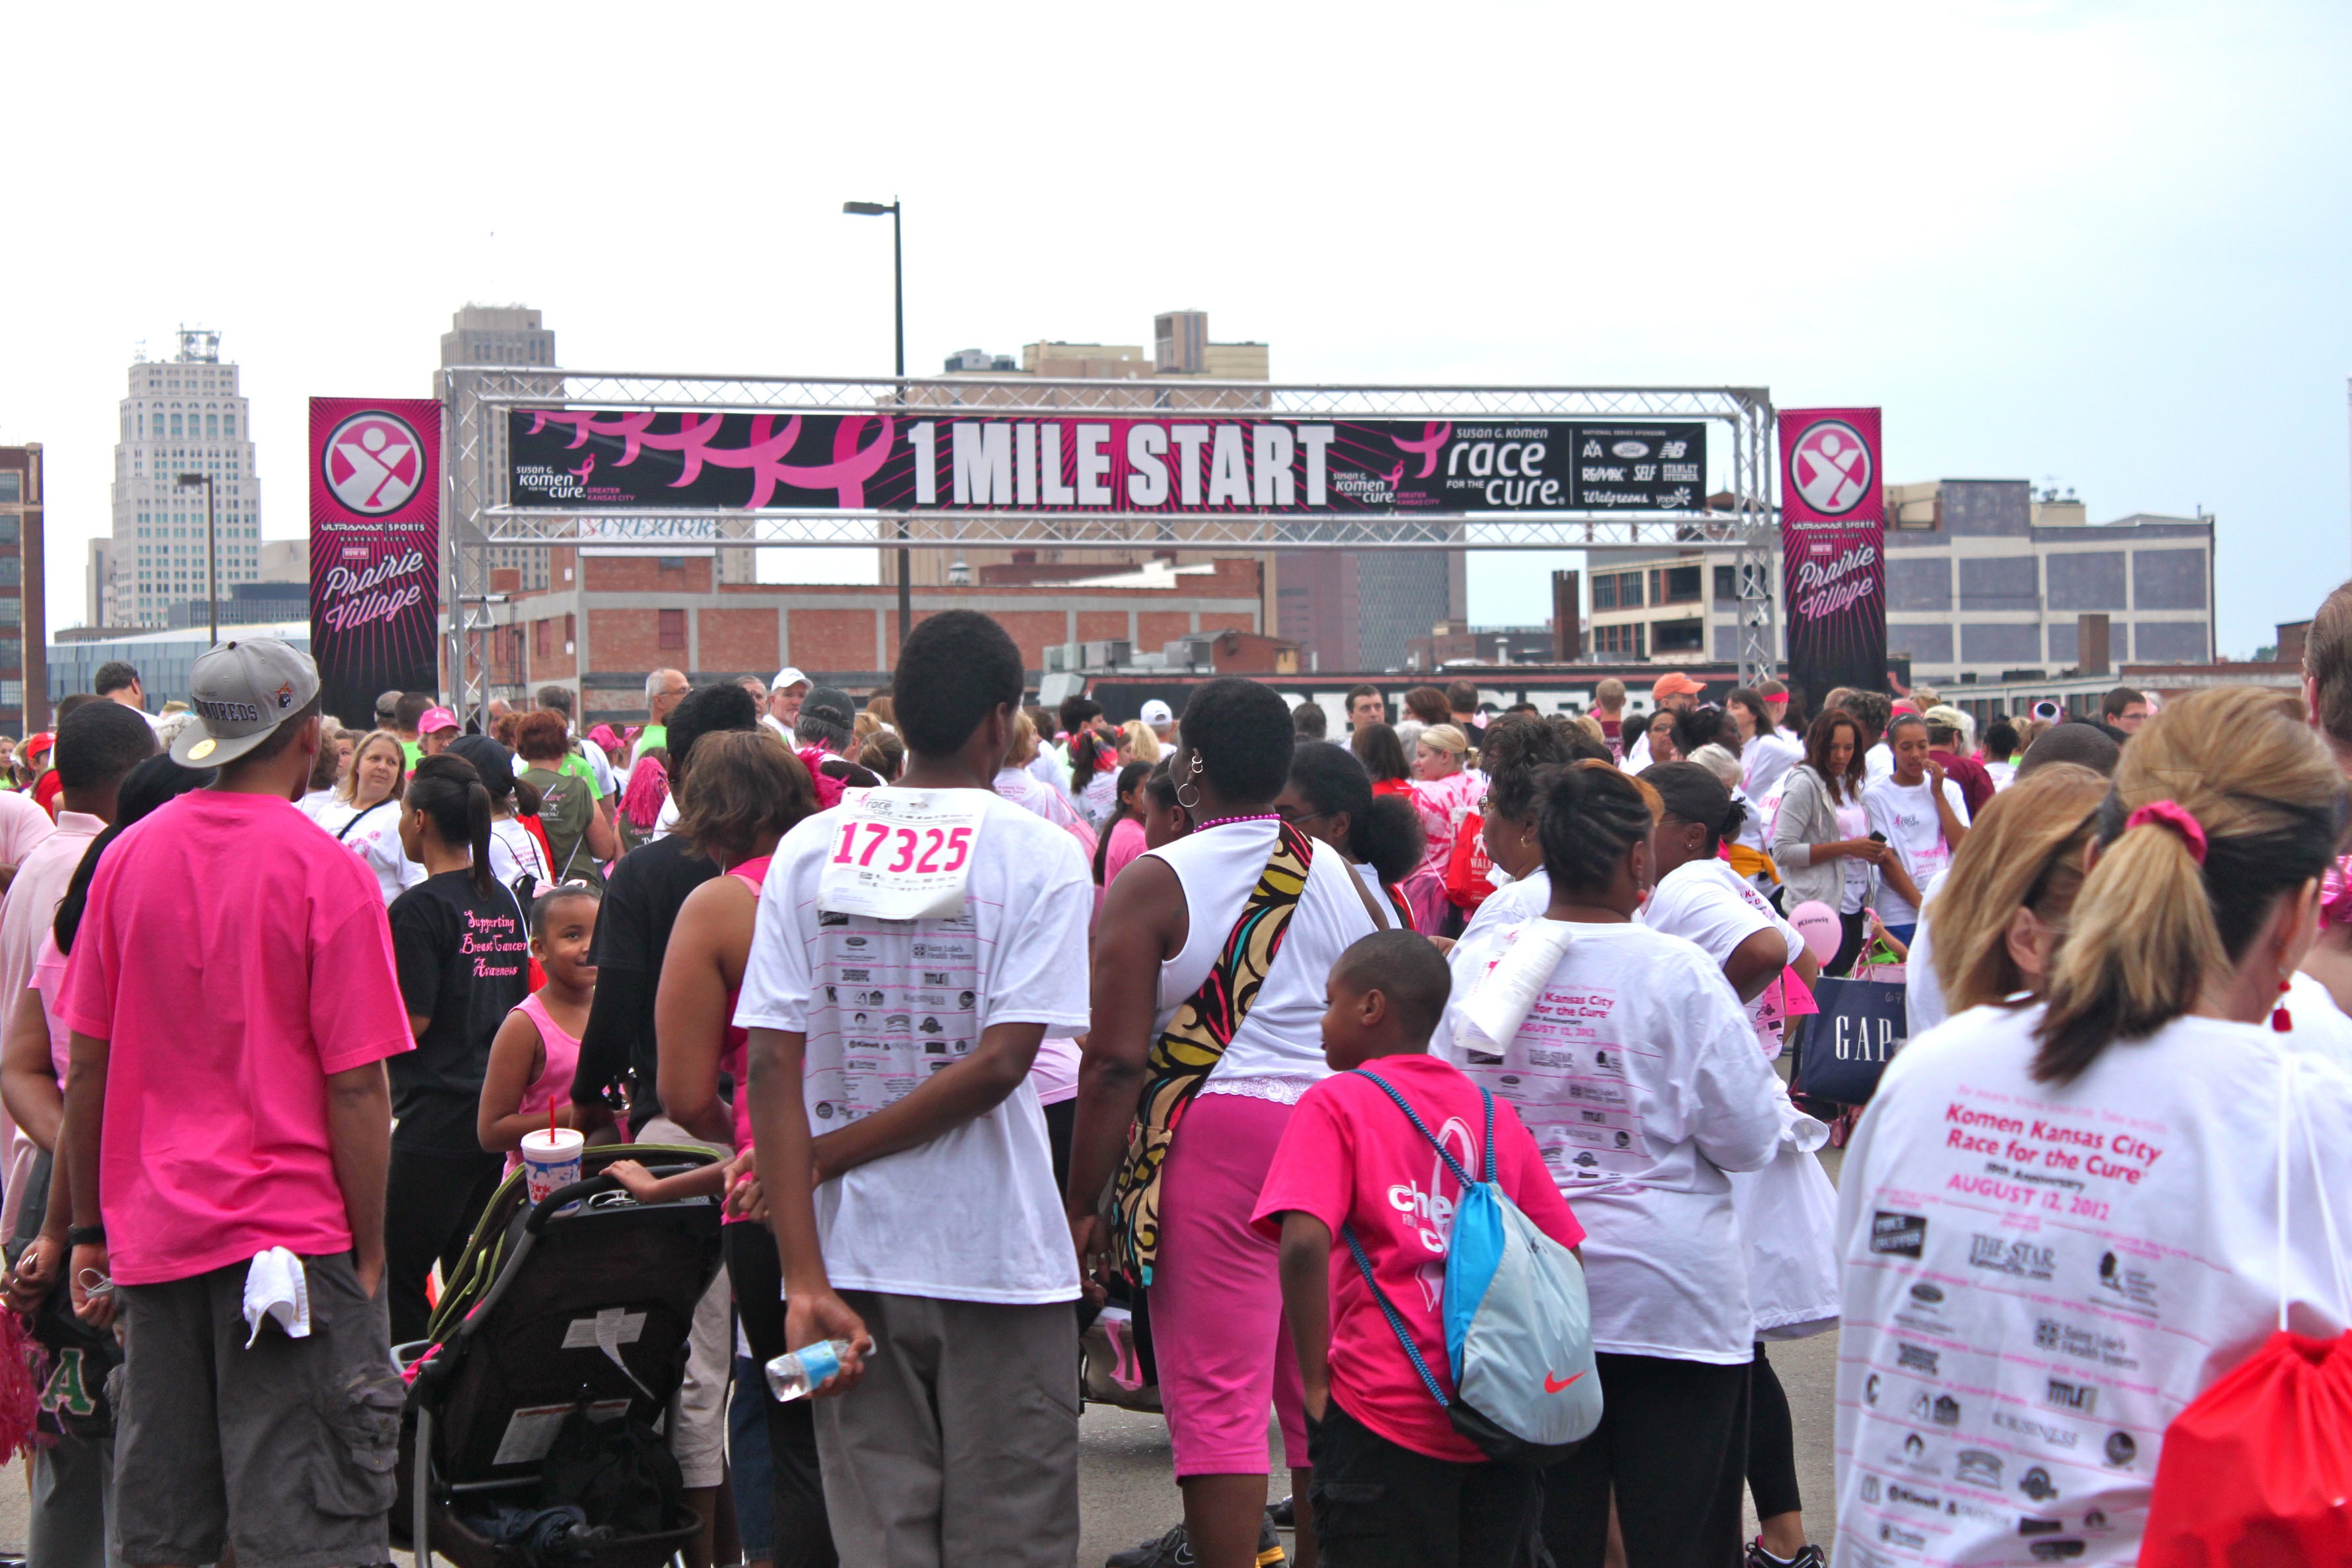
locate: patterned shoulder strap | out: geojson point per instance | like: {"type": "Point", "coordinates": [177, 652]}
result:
{"type": "Point", "coordinates": [1182, 1058]}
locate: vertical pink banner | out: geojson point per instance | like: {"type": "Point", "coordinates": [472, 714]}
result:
{"type": "Point", "coordinates": [376, 548]}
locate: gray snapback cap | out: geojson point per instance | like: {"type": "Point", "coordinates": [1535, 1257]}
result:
{"type": "Point", "coordinates": [242, 691]}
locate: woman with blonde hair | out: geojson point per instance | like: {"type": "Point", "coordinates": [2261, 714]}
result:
{"type": "Point", "coordinates": [1445, 790]}
{"type": "Point", "coordinates": [364, 812]}
{"type": "Point", "coordinates": [2127, 1172]}
{"type": "Point", "coordinates": [1137, 743]}
{"type": "Point", "coordinates": [1992, 928]}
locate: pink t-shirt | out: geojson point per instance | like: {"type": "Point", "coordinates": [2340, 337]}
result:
{"type": "Point", "coordinates": [1442, 804]}
{"type": "Point", "coordinates": [1348, 1156]}
{"type": "Point", "coordinates": [235, 956]}
{"type": "Point", "coordinates": [31, 907]}
{"type": "Point", "coordinates": [24, 821]}
{"type": "Point", "coordinates": [50, 979]}
{"type": "Point", "coordinates": [553, 1084]}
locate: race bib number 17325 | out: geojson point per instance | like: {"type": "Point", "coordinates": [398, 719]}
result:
{"type": "Point", "coordinates": [902, 855]}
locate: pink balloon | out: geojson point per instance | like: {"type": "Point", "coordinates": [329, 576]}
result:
{"type": "Point", "coordinates": [1818, 924]}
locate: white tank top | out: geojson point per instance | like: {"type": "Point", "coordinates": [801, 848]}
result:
{"type": "Point", "coordinates": [1278, 1053]}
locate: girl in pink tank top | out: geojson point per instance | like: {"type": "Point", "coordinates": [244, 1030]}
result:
{"type": "Point", "coordinates": [537, 1047]}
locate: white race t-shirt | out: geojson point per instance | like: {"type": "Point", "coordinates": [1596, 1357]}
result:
{"type": "Point", "coordinates": [973, 1214]}
{"type": "Point", "coordinates": [315, 801]}
{"type": "Point", "coordinates": [2039, 1277]}
{"type": "Point", "coordinates": [2319, 1025]}
{"type": "Point", "coordinates": [1855, 873]}
{"type": "Point", "coordinates": [1520, 899]}
{"type": "Point", "coordinates": [1767, 757]}
{"type": "Point", "coordinates": [1708, 903]}
{"type": "Point", "coordinates": [2003, 775]}
{"type": "Point", "coordinates": [1906, 815]}
{"type": "Point", "coordinates": [1278, 1052]}
{"type": "Point", "coordinates": [513, 851]}
{"type": "Point", "coordinates": [1639, 1076]}
{"type": "Point", "coordinates": [1878, 763]}
{"type": "Point", "coordinates": [1923, 994]}
{"type": "Point", "coordinates": [1044, 769]}
{"type": "Point", "coordinates": [376, 841]}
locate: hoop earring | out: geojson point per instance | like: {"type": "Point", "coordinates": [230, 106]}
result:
{"type": "Point", "coordinates": [1190, 775]}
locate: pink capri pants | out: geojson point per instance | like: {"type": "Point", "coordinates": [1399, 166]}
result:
{"type": "Point", "coordinates": [1216, 1295]}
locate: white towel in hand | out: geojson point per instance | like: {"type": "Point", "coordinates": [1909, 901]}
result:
{"type": "Point", "coordinates": [276, 1286]}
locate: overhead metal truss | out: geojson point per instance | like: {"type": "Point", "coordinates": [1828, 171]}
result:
{"type": "Point", "coordinates": [478, 397]}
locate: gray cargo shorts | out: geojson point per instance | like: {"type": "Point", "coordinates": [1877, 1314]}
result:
{"type": "Point", "coordinates": [285, 1452]}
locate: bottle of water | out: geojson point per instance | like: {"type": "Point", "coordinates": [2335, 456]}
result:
{"type": "Point", "coordinates": [792, 1375]}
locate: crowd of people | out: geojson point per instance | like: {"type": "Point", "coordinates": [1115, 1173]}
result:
{"type": "Point", "coordinates": [1212, 1022]}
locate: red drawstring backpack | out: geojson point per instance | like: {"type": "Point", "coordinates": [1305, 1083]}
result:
{"type": "Point", "coordinates": [2256, 1471]}
{"type": "Point", "coordinates": [1466, 885]}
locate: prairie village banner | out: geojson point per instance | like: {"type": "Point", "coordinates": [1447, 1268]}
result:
{"type": "Point", "coordinates": [376, 548]}
{"type": "Point", "coordinates": [587, 461]}
{"type": "Point", "coordinates": [1833, 550]}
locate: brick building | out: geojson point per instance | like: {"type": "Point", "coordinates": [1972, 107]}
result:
{"type": "Point", "coordinates": [24, 592]}
{"type": "Point", "coordinates": [608, 619]}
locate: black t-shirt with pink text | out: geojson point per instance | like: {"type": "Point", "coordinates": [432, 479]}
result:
{"type": "Point", "coordinates": [462, 958]}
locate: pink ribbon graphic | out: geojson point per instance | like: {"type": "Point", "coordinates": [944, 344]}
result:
{"type": "Point", "coordinates": [763, 455]}
{"type": "Point", "coordinates": [1432, 441]}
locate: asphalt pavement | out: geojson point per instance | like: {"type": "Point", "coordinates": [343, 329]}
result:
{"type": "Point", "coordinates": [1127, 1489]}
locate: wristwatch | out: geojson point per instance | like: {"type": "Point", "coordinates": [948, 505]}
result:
{"type": "Point", "coordinates": [86, 1236]}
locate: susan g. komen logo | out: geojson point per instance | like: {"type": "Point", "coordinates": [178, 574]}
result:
{"type": "Point", "coordinates": [374, 463]}
{"type": "Point", "coordinates": [1831, 467]}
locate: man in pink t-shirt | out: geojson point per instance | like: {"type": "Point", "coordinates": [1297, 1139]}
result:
{"type": "Point", "coordinates": [1391, 1473]}
{"type": "Point", "coordinates": [232, 1002]}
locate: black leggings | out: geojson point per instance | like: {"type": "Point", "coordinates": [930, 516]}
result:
{"type": "Point", "coordinates": [433, 1197]}
{"type": "Point", "coordinates": [1672, 1443]}
{"type": "Point", "coordinates": [801, 1534]}
{"type": "Point", "coordinates": [1852, 930]}
{"type": "Point", "coordinates": [1771, 1443]}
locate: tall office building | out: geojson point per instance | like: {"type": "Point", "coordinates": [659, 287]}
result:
{"type": "Point", "coordinates": [182, 418]}
{"type": "Point", "coordinates": [501, 335]}
{"type": "Point", "coordinates": [24, 618]}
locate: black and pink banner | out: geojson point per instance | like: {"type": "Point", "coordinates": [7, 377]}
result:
{"type": "Point", "coordinates": [376, 548]}
{"type": "Point", "coordinates": [1833, 550]}
{"type": "Point", "coordinates": [589, 461]}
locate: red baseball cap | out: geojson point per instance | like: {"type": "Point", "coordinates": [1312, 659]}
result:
{"type": "Point", "coordinates": [37, 742]}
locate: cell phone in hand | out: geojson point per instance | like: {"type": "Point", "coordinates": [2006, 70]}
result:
{"type": "Point", "coordinates": [1878, 838]}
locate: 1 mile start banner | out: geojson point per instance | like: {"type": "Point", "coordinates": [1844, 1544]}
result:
{"type": "Point", "coordinates": [376, 548]}
{"type": "Point", "coordinates": [1833, 550]}
{"type": "Point", "coordinates": [589, 460]}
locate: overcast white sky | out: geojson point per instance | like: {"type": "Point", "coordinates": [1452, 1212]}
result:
{"type": "Point", "coordinates": [2096, 244]}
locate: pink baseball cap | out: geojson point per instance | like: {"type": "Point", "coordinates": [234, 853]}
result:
{"type": "Point", "coordinates": [437, 719]}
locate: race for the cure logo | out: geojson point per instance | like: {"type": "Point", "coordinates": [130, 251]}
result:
{"type": "Point", "coordinates": [374, 463]}
{"type": "Point", "coordinates": [1831, 467]}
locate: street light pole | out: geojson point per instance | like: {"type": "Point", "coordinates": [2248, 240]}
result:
{"type": "Point", "coordinates": [212, 556]}
{"type": "Point", "coordinates": [899, 292]}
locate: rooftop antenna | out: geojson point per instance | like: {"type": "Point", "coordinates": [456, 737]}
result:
{"type": "Point", "coordinates": [139, 351]}
{"type": "Point", "coordinates": [198, 345]}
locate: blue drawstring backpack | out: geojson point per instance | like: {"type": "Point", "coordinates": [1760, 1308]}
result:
{"type": "Point", "coordinates": [1518, 1327]}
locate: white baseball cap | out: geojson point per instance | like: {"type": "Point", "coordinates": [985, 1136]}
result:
{"type": "Point", "coordinates": [786, 678]}
{"type": "Point", "coordinates": [242, 691]}
{"type": "Point", "coordinates": [1156, 712]}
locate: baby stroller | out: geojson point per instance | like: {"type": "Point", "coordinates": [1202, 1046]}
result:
{"type": "Point", "coordinates": [565, 1323]}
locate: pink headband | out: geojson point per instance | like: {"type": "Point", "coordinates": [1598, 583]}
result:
{"type": "Point", "coordinates": [2167, 814]}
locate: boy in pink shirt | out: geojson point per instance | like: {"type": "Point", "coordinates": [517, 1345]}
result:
{"type": "Point", "coordinates": [232, 1002]}
{"type": "Point", "coordinates": [1394, 1483]}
